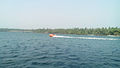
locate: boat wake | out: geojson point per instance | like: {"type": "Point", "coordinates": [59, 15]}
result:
{"type": "Point", "coordinates": [86, 38]}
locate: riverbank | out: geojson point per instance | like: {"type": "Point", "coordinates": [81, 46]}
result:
{"type": "Point", "coordinates": [78, 31]}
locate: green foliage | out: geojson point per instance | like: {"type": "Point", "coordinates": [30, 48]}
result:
{"type": "Point", "coordinates": [83, 31]}
{"type": "Point", "coordinates": [79, 31]}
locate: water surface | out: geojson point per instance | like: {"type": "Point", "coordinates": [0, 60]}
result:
{"type": "Point", "coordinates": [34, 50]}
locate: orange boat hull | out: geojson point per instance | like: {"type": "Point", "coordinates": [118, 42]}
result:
{"type": "Point", "coordinates": [51, 35]}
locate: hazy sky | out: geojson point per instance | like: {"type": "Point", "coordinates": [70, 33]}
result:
{"type": "Point", "coordinates": [32, 14]}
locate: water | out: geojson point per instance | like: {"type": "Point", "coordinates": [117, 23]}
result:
{"type": "Point", "coordinates": [34, 50]}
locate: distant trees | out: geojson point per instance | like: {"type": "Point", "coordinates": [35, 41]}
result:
{"type": "Point", "coordinates": [83, 31]}
{"type": "Point", "coordinates": [4, 30]}
{"type": "Point", "coordinates": [79, 31]}
{"type": "Point", "coordinates": [14, 30]}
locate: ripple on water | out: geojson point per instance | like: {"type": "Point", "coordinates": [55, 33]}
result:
{"type": "Point", "coordinates": [45, 62]}
{"type": "Point", "coordinates": [43, 57]}
{"type": "Point", "coordinates": [58, 63]}
{"type": "Point", "coordinates": [116, 59]}
{"type": "Point", "coordinates": [73, 57]}
{"type": "Point", "coordinates": [72, 64]}
{"type": "Point", "coordinates": [31, 50]}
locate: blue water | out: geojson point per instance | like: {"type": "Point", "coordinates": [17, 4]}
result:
{"type": "Point", "coordinates": [34, 50]}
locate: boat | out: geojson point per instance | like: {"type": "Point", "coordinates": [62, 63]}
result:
{"type": "Point", "coordinates": [52, 35]}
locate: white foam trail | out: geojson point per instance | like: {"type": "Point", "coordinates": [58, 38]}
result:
{"type": "Point", "coordinates": [63, 36]}
{"type": "Point", "coordinates": [86, 38]}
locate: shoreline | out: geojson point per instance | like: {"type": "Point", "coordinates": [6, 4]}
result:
{"type": "Point", "coordinates": [62, 33]}
{"type": "Point", "coordinates": [111, 31]}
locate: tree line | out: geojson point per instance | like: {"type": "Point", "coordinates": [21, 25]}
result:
{"type": "Point", "coordinates": [83, 31]}
{"type": "Point", "coordinates": [80, 31]}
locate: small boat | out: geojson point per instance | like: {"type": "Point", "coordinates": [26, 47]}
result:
{"type": "Point", "coordinates": [52, 35]}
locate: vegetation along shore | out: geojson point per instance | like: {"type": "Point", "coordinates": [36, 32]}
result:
{"type": "Point", "coordinates": [111, 31]}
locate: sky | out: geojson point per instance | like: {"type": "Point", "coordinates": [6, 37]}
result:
{"type": "Point", "coordinates": [34, 14]}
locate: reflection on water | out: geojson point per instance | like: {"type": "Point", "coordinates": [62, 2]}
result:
{"type": "Point", "coordinates": [32, 50]}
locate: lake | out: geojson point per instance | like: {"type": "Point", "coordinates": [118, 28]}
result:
{"type": "Point", "coordinates": [35, 50]}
